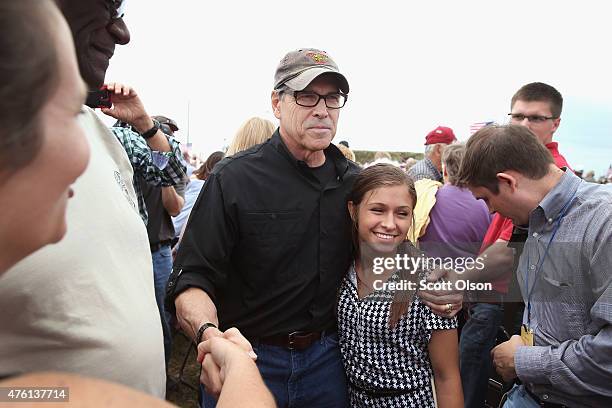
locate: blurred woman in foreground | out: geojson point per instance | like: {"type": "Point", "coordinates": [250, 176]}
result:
{"type": "Point", "coordinates": [42, 147]}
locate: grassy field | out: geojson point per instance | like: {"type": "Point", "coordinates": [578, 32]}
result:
{"type": "Point", "coordinates": [367, 156]}
{"type": "Point", "coordinates": [179, 389]}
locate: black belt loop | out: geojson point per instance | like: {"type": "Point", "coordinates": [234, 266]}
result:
{"type": "Point", "coordinates": [541, 403]}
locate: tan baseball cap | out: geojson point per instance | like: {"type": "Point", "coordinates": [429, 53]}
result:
{"type": "Point", "coordinates": [300, 67]}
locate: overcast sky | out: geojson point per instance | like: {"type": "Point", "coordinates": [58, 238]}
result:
{"type": "Point", "coordinates": [411, 66]}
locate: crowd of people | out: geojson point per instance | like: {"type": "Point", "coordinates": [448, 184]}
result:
{"type": "Point", "coordinates": [304, 278]}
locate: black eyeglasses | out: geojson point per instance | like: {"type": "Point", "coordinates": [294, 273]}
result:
{"type": "Point", "coordinates": [519, 117]}
{"type": "Point", "coordinates": [310, 99]}
{"type": "Point", "coordinates": [116, 9]}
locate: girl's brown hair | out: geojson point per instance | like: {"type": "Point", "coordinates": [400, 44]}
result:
{"type": "Point", "coordinates": [371, 178]}
{"type": "Point", "coordinates": [29, 76]}
{"type": "Point", "coordinates": [204, 171]}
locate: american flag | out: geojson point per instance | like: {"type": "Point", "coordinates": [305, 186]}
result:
{"type": "Point", "coordinates": [475, 127]}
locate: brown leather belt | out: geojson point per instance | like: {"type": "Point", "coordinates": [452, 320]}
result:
{"type": "Point", "coordinates": [297, 340]}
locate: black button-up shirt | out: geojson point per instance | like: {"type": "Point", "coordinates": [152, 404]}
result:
{"type": "Point", "coordinates": [267, 242]}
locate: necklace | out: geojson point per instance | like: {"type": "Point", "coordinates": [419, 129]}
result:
{"type": "Point", "coordinates": [361, 284]}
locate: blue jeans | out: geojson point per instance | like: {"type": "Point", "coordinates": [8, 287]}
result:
{"type": "Point", "coordinates": [518, 398]}
{"type": "Point", "coordinates": [309, 378]}
{"type": "Point", "coordinates": [477, 339]}
{"type": "Point", "coordinates": [162, 266]}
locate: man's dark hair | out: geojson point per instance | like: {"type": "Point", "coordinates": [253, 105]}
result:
{"type": "Point", "coordinates": [496, 149]}
{"type": "Point", "coordinates": [540, 92]}
{"type": "Point", "coordinates": [29, 73]}
{"type": "Point", "coordinates": [345, 143]}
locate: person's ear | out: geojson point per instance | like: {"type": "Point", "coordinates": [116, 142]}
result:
{"type": "Point", "coordinates": [352, 211]}
{"type": "Point", "coordinates": [556, 123]}
{"type": "Point", "coordinates": [508, 180]}
{"type": "Point", "coordinates": [276, 99]}
{"type": "Point", "coordinates": [438, 149]}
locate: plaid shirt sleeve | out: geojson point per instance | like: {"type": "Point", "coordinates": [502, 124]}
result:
{"type": "Point", "coordinates": [157, 168]}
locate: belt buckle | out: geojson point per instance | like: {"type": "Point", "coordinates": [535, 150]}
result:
{"type": "Point", "coordinates": [296, 334]}
{"type": "Point", "coordinates": [291, 339]}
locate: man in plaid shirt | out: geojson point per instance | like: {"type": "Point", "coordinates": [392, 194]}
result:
{"type": "Point", "coordinates": [154, 155]}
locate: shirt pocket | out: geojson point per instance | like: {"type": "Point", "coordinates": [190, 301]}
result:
{"type": "Point", "coordinates": [271, 224]}
{"type": "Point", "coordinates": [269, 241]}
{"type": "Point", "coordinates": [565, 308]}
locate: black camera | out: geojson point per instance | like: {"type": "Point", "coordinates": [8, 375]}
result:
{"type": "Point", "coordinates": [99, 99]}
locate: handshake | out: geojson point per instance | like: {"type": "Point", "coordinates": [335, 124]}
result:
{"type": "Point", "coordinates": [222, 356]}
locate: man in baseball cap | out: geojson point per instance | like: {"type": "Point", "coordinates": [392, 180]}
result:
{"type": "Point", "coordinates": [167, 125]}
{"type": "Point", "coordinates": [300, 67]}
{"type": "Point", "coordinates": [431, 166]}
{"type": "Point", "coordinates": [279, 217]}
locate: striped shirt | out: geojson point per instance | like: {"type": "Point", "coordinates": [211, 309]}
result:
{"type": "Point", "coordinates": [571, 295]}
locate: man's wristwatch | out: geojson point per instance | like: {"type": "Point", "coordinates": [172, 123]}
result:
{"type": "Point", "coordinates": [198, 338]}
{"type": "Point", "coordinates": [151, 132]}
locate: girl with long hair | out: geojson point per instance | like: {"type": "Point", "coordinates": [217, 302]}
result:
{"type": "Point", "coordinates": [391, 342]}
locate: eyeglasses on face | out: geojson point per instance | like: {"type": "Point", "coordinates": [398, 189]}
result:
{"type": "Point", "coordinates": [117, 8]}
{"type": "Point", "coordinates": [310, 99]}
{"type": "Point", "coordinates": [519, 117]}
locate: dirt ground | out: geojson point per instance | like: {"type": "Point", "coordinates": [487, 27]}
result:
{"type": "Point", "coordinates": [179, 389]}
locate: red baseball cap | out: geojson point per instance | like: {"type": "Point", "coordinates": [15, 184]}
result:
{"type": "Point", "coordinates": [441, 134]}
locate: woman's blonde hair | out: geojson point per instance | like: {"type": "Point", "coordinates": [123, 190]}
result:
{"type": "Point", "coordinates": [348, 153]}
{"type": "Point", "coordinates": [253, 132]}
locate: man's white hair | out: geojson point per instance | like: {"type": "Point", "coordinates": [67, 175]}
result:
{"type": "Point", "coordinates": [429, 149]}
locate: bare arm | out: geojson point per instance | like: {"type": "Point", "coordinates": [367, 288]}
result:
{"type": "Point", "coordinates": [172, 201]}
{"type": "Point", "coordinates": [128, 107]}
{"type": "Point", "coordinates": [194, 308]}
{"type": "Point", "coordinates": [497, 259]}
{"type": "Point", "coordinates": [84, 391]}
{"type": "Point", "coordinates": [178, 243]}
{"type": "Point", "coordinates": [444, 356]}
{"type": "Point", "coordinates": [158, 142]}
{"type": "Point", "coordinates": [242, 384]}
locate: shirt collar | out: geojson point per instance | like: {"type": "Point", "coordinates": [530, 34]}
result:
{"type": "Point", "coordinates": [331, 152]}
{"type": "Point", "coordinates": [553, 147]}
{"type": "Point", "coordinates": [558, 197]}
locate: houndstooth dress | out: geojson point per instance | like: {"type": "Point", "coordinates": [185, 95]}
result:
{"type": "Point", "coordinates": [377, 358]}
